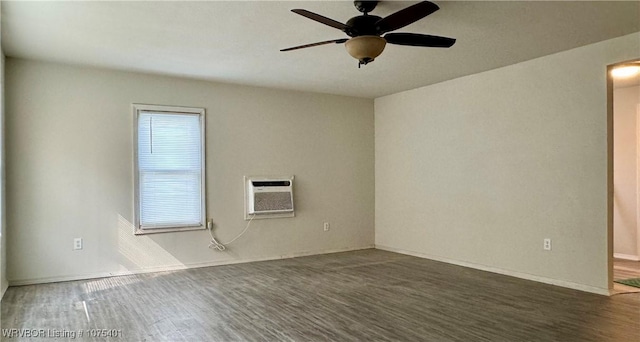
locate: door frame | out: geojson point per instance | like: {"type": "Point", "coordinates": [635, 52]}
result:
{"type": "Point", "coordinates": [610, 187]}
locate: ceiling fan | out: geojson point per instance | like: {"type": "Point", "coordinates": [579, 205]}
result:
{"type": "Point", "coordinates": [366, 42]}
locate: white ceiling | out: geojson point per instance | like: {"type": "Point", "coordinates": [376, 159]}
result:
{"type": "Point", "coordinates": [239, 41]}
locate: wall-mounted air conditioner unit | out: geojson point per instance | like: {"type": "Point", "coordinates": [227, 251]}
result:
{"type": "Point", "coordinates": [268, 197]}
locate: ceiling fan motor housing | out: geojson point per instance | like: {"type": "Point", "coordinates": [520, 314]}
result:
{"type": "Point", "coordinates": [363, 25]}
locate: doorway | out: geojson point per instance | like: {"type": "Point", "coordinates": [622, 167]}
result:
{"type": "Point", "coordinates": [624, 201]}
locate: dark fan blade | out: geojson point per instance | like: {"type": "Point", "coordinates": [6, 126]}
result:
{"type": "Point", "coordinates": [321, 19]}
{"type": "Point", "coordinates": [415, 39]}
{"type": "Point", "coordinates": [406, 16]}
{"type": "Point", "coordinates": [337, 41]}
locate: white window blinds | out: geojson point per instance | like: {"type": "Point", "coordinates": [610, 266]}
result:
{"type": "Point", "coordinates": [170, 170]}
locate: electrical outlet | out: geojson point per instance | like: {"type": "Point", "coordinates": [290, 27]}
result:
{"type": "Point", "coordinates": [546, 244]}
{"type": "Point", "coordinates": [327, 226]}
{"type": "Point", "coordinates": [77, 244]}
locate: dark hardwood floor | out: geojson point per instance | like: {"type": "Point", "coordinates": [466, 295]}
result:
{"type": "Point", "coordinates": [368, 295]}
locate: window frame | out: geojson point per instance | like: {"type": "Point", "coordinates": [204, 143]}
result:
{"type": "Point", "coordinates": [137, 109]}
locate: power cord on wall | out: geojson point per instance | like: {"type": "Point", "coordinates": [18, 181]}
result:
{"type": "Point", "coordinates": [217, 245]}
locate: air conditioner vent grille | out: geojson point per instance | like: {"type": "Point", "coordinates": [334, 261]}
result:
{"type": "Point", "coordinates": [270, 201]}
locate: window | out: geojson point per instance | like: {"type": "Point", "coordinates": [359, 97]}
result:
{"type": "Point", "coordinates": [169, 169]}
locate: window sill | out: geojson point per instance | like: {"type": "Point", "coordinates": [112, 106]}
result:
{"type": "Point", "coordinates": [146, 231]}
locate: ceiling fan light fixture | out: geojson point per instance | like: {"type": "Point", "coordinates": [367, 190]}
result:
{"type": "Point", "coordinates": [365, 48]}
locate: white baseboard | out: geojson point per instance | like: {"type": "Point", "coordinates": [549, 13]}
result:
{"type": "Point", "coordinates": [626, 256]}
{"type": "Point", "coordinates": [562, 283]}
{"type": "Point", "coordinates": [44, 280]}
{"type": "Point", "coordinates": [545, 280]}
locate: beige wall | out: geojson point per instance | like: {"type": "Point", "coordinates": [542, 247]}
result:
{"type": "Point", "coordinates": [474, 171]}
{"type": "Point", "coordinates": [69, 171]}
{"type": "Point", "coordinates": [625, 228]}
{"type": "Point", "coordinates": [480, 169]}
